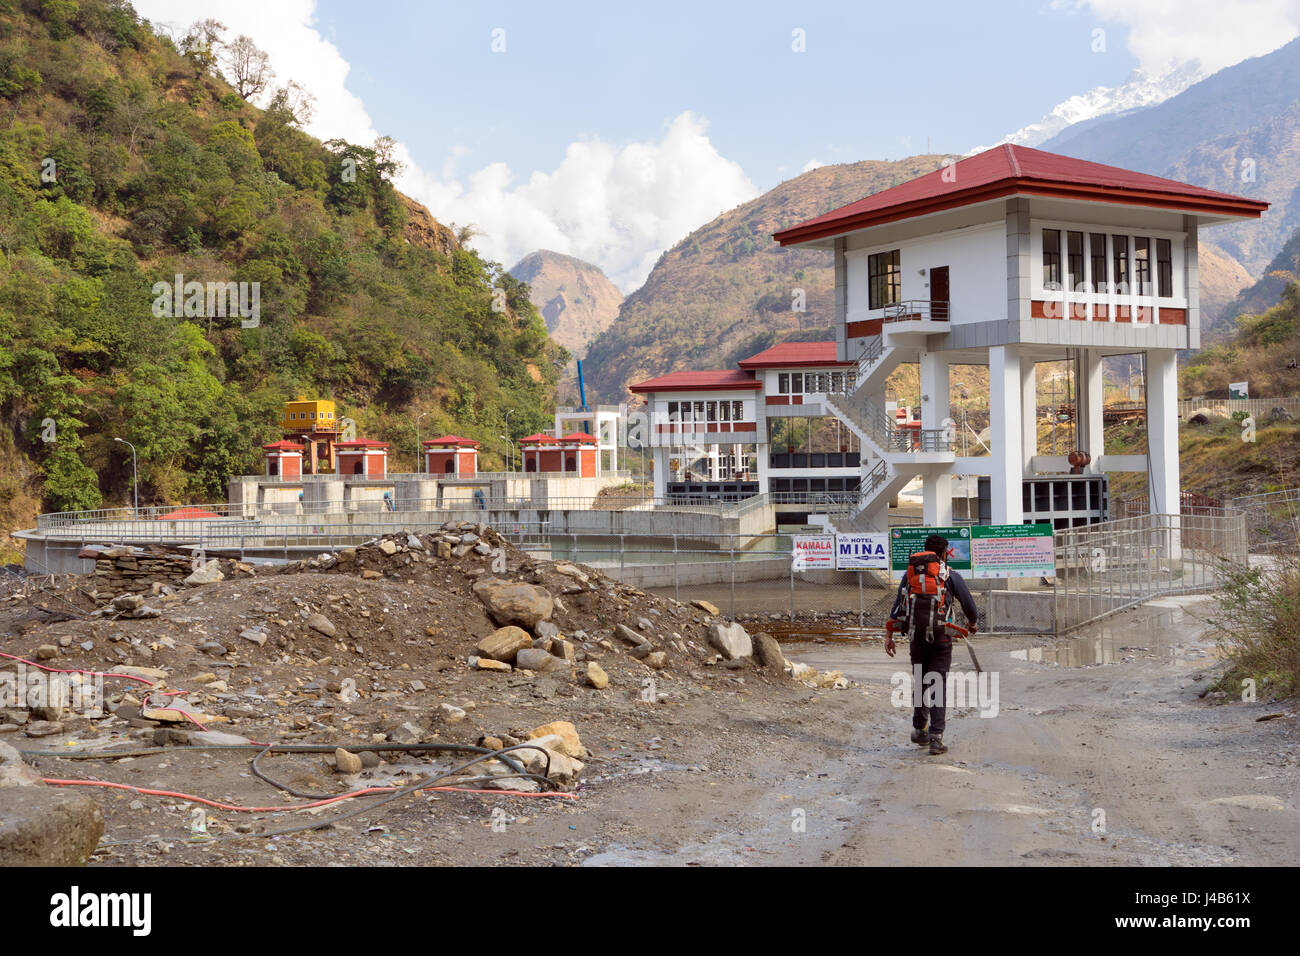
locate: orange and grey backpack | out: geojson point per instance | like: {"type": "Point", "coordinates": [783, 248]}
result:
{"type": "Point", "coordinates": [927, 591]}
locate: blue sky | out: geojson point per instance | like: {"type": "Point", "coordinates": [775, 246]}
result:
{"type": "Point", "coordinates": [611, 131]}
{"type": "Point", "coordinates": [875, 81]}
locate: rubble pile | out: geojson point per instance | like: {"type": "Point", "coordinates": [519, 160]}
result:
{"type": "Point", "coordinates": [451, 636]}
{"type": "Point", "coordinates": [123, 568]}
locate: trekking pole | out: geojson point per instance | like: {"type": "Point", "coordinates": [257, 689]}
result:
{"type": "Point", "coordinates": [957, 631]}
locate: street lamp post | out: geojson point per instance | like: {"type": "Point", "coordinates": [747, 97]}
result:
{"type": "Point", "coordinates": [419, 446]}
{"type": "Point", "coordinates": [509, 450]}
{"type": "Point", "coordinates": [135, 476]}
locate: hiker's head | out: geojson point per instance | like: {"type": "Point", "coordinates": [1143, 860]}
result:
{"type": "Point", "coordinates": [938, 544]}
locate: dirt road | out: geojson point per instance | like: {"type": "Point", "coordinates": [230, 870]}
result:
{"type": "Point", "coordinates": [1104, 764]}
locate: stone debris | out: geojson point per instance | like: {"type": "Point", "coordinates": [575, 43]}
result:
{"type": "Point", "coordinates": [730, 640]}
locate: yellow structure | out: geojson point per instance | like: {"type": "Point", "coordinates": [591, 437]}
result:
{"type": "Point", "coordinates": [316, 415]}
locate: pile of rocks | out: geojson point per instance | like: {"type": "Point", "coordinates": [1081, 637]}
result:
{"type": "Point", "coordinates": [124, 569]}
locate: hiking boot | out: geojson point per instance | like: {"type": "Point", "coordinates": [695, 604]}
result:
{"type": "Point", "coordinates": [937, 746]}
{"type": "Point", "coordinates": [921, 736]}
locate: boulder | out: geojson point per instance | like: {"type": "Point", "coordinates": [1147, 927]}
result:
{"type": "Point", "coordinates": [730, 640]}
{"type": "Point", "coordinates": [569, 743]}
{"type": "Point", "coordinates": [40, 825]}
{"type": "Point", "coordinates": [536, 659]}
{"type": "Point", "coordinates": [657, 660]}
{"type": "Point", "coordinates": [512, 603]}
{"type": "Point", "coordinates": [504, 643]}
{"type": "Point", "coordinates": [596, 676]}
{"type": "Point", "coordinates": [322, 625]}
{"type": "Point", "coordinates": [707, 607]}
{"type": "Point", "coordinates": [347, 762]}
{"type": "Point", "coordinates": [210, 573]}
{"type": "Point", "coordinates": [768, 652]}
{"type": "Point", "coordinates": [629, 635]}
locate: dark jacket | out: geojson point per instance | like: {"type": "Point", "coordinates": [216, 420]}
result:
{"type": "Point", "coordinates": [956, 587]}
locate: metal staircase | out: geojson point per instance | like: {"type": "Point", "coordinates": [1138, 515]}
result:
{"type": "Point", "coordinates": [894, 447]}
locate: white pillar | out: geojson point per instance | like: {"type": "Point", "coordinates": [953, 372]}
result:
{"type": "Point", "coordinates": [1028, 413]}
{"type": "Point", "coordinates": [937, 498]}
{"type": "Point", "coordinates": [659, 456]}
{"type": "Point", "coordinates": [936, 489]}
{"type": "Point", "coordinates": [1006, 464]}
{"type": "Point", "coordinates": [1162, 430]}
{"type": "Point", "coordinates": [1091, 423]}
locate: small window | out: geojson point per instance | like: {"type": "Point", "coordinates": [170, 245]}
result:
{"type": "Point", "coordinates": [1121, 277]}
{"type": "Point", "coordinates": [783, 383]}
{"type": "Point", "coordinates": [796, 383]}
{"type": "Point", "coordinates": [672, 411]}
{"type": "Point", "coordinates": [1142, 264]}
{"type": "Point", "coordinates": [884, 279]}
{"type": "Point", "coordinates": [724, 411]}
{"type": "Point", "coordinates": [737, 411]}
{"type": "Point", "coordinates": [1097, 252]}
{"type": "Point", "coordinates": [1052, 259]}
{"type": "Point", "coordinates": [1165, 267]}
{"type": "Point", "coordinates": [699, 411]}
{"type": "Point", "coordinates": [713, 411]}
{"type": "Point", "coordinates": [1074, 247]}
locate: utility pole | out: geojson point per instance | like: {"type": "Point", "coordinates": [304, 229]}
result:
{"type": "Point", "coordinates": [135, 476]}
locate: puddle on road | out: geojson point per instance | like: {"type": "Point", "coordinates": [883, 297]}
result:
{"type": "Point", "coordinates": [1163, 632]}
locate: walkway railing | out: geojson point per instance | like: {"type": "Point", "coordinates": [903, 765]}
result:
{"type": "Point", "coordinates": [1108, 567]}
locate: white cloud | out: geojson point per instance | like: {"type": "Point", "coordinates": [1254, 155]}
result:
{"type": "Point", "coordinates": [811, 165]}
{"type": "Point", "coordinates": [617, 206]}
{"type": "Point", "coordinates": [1166, 34]}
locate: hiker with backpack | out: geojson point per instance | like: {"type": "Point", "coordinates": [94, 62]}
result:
{"type": "Point", "coordinates": [928, 595]}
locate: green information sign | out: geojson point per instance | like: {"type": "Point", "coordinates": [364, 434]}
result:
{"type": "Point", "coordinates": [907, 540]}
{"type": "Point", "coordinates": [983, 551]}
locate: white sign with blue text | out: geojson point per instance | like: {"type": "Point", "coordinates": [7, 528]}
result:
{"type": "Point", "coordinates": [862, 552]}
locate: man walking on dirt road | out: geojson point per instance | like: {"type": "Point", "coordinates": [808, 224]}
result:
{"type": "Point", "coordinates": [925, 597]}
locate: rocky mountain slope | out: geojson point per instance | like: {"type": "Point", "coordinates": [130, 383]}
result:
{"type": "Point", "coordinates": [727, 290]}
{"type": "Point", "coordinates": [575, 298]}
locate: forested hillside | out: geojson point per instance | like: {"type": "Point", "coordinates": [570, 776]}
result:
{"type": "Point", "coordinates": [126, 159]}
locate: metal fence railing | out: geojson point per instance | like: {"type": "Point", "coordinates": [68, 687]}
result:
{"type": "Point", "coordinates": [1255, 407]}
{"type": "Point", "coordinates": [1272, 519]}
{"type": "Point", "coordinates": [1107, 567]}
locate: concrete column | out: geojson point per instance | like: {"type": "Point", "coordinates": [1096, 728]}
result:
{"type": "Point", "coordinates": [1006, 465]}
{"type": "Point", "coordinates": [841, 280]}
{"type": "Point", "coordinates": [1162, 430]}
{"type": "Point", "coordinates": [935, 389]}
{"type": "Point", "coordinates": [1088, 408]}
{"type": "Point", "coordinates": [937, 499]}
{"type": "Point", "coordinates": [1028, 413]}
{"type": "Point", "coordinates": [660, 457]}
{"type": "Point", "coordinates": [761, 452]}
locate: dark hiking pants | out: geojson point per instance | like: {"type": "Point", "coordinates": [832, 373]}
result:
{"type": "Point", "coordinates": [935, 657]}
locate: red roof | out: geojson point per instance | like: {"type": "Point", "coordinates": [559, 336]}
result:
{"type": "Point", "coordinates": [183, 514]}
{"type": "Point", "coordinates": [697, 381]}
{"type": "Point", "coordinates": [361, 443]}
{"type": "Point", "coordinates": [283, 446]}
{"type": "Point", "coordinates": [794, 355]}
{"type": "Point", "coordinates": [452, 440]}
{"type": "Point", "coordinates": [538, 438]}
{"type": "Point", "coordinates": [580, 437]}
{"type": "Point", "coordinates": [1009, 170]}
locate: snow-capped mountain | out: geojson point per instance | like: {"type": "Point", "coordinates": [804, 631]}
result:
{"type": "Point", "coordinates": [1139, 92]}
